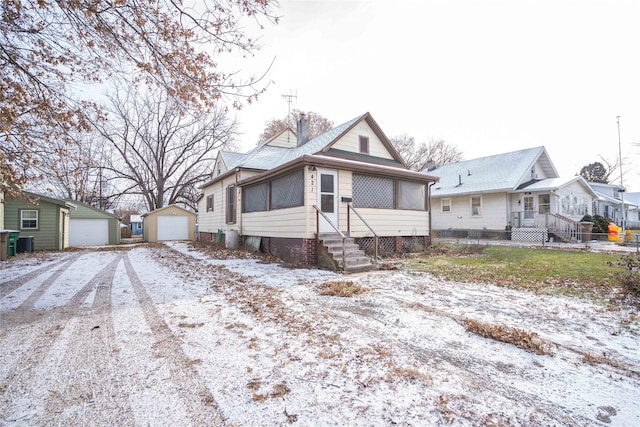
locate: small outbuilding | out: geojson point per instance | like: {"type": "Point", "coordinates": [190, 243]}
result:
{"type": "Point", "coordinates": [136, 224]}
{"type": "Point", "coordinates": [41, 219]}
{"type": "Point", "coordinates": [89, 226]}
{"type": "Point", "coordinates": [169, 223]}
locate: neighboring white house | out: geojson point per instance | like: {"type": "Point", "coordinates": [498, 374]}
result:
{"type": "Point", "coordinates": [292, 195]}
{"type": "Point", "coordinates": [515, 190]}
{"type": "Point", "coordinates": [633, 220]}
{"type": "Point", "coordinates": [609, 203]}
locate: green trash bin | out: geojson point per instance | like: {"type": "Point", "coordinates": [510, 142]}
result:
{"type": "Point", "coordinates": [12, 242]}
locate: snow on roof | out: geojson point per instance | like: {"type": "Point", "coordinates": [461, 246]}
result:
{"type": "Point", "coordinates": [501, 172]}
{"type": "Point", "coordinates": [135, 218]}
{"type": "Point", "coordinates": [268, 157]}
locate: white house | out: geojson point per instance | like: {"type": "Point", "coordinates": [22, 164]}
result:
{"type": "Point", "coordinates": [310, 201]}
{"type": "Point", "coordinates": [609, 201]}
{"type": "Point", "coordinates": [518, 191]}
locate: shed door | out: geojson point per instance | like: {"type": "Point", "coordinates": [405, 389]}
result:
{"type": "Point", "coordinates": [328, 199]}
{"type": "Point", "coordinates": [174, 227]}
{"type": "Point", "coordinates": [88, 232]}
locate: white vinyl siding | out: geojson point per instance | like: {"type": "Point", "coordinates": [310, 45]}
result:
{"type": "Point", "coordinates": [494, 213]}
{"type": "Point", "coordinates": [289, 222]}
{"type": "Point", "coordinates": [391, 222]}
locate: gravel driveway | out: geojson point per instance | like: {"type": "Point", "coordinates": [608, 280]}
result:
{"type": "Point", "coordinates": [159, 335]}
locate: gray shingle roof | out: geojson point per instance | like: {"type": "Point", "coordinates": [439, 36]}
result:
{"type": "Point", "coordinates": [266, 157]}
{"type": "Point", "coordinates": [501, 172]}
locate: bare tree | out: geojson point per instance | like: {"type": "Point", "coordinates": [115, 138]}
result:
{"type": "Point", "coordinates": [161, 150]}
{"type": "Point", "coordinates": [435, 152]}
{"type": "Point", "coordinates": [51, 49]}
{"type": "Point", "coordinates": [72, 168]}
{"type": "Point", "coordinates": [317, 124]}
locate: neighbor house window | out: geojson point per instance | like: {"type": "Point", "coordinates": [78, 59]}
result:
{"type": "Point", "coordinates": [544, 204]}
{"type": "Point", "coordinates": [29, 219]}
{"type": "Point", "coordinates": [231, 204]}
{"type": "Point", "coordinates": [476, 206]}
{"type": "Point", "coordinates": [364, 144]}
{"type": "Point", "coordinates": [445, 205]}
{"type": "Point", "coordinates": [210, 203]}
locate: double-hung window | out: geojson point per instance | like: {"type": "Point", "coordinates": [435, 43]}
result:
{"type": "Point", "coordinates": [29, 219]}
{"type": "Point", "coordinates": [476, 206]}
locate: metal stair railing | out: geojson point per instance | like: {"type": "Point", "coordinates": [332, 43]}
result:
{"type": "Point", "coordinates": [375, 235]}
{"type": "Point", "coordinates": [318, 213]}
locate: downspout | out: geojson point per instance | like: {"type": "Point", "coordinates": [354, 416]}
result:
{"type": "Point", "coordinates": [429, 210]}
{"type": "Point", "coordinates": [238, 213]}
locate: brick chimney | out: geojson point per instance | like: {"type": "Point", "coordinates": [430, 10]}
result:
{"type": "Point", "coordinates": [302, 130]}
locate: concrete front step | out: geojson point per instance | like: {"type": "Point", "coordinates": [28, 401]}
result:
{"type": "Point", "coordinates": [355, 260]}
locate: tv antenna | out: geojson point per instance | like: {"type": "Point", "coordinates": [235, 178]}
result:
{"type": "Point", "coordinates": [289, 97]}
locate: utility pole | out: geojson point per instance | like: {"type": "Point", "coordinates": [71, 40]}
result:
{"type": "Point", "coordinates": [624, 220]}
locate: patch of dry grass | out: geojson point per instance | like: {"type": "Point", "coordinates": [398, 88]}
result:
{"type": "Point", "coordinates": [339, 288]}
{"type": "Point", "coordinates": [529, 341]}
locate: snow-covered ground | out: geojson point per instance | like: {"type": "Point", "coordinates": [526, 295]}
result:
{"type": "Point", "coordinates": [169, 335]}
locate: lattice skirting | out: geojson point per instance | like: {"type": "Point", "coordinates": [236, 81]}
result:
{"type": "Point", "coordinates": [529, 234]}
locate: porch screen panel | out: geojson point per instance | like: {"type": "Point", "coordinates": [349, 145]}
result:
{"type": "Point", "coordinates": [411, 195]}
{"type": "Point", "coordinates": [373, 192]}
{"type": "Point", "coordinates": [254, 198]}
{"type": "Point", "coordinates": [288, 191]}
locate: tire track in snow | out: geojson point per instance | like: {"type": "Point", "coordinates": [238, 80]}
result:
{"type": "Point", "coordinates": [23, 379]}
{"type": "Point", "coordinates": [11, 285]}
{"type": "Point", "coordinates": [198, 400]}
{"type": "Point", "coordinates": [93, 375]}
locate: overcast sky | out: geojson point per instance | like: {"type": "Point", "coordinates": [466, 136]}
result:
{"type": "Point", "coordinates": [486, 76]}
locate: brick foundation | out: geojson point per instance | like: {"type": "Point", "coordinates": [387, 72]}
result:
{"type": "Point", "coordinates": [295, 251]}
{"type": "Point", "coordinates": [309, 252]}
{"type": "Point", "coordinates": [205, 237]}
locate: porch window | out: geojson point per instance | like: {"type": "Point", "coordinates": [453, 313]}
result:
{"type": "Point", "coordinates": [288, 191]}
{"type": "Point", "coordinates": [29, 219]}
{"type": "Point", "coordinates": [231, 204]}
{"type": "Point", "coordinates": [544, 203]}
{"type": "Point", "coordinates": [411, 195]}
{"type": "Point", "coordinates": [254, 198]}
{"type": "Point", "coordinates": [476, 206]}
{"type": "Point", "coordinates": [364, 145]}
{"type": "Point", "coordinates": [445, 205]}
{"type": "Point", "coordinates": [373, 192]}
{"type": "Point", "coordinates": [210, 203]}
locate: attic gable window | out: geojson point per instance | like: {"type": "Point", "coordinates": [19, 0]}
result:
{"type": "Point", "coordinates": [364, 144]}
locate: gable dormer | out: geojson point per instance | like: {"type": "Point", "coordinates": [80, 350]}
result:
{"type": "Point", "coordinates": [364, 141]}
{"type": "Point", "coordinates": [285, 139]}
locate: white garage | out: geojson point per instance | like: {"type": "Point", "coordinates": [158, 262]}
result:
{"type": "Point", "coordinates": [88, 232]}
{"type": "Point", "coordinates": [169, 223]}
{"type": "Point", "coordinates": [173, 227]}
